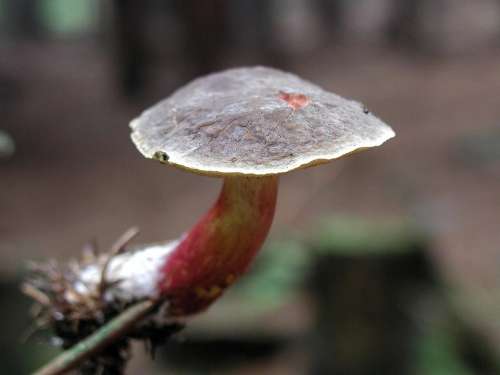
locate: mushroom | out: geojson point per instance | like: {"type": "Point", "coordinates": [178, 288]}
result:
{"type": "Point", "coordinates": [248, 126]}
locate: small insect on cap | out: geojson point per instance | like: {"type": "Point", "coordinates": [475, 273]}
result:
{"type": "Point", "coordinates": [254, 121]}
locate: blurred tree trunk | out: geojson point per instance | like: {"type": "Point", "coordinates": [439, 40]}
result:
{"type": "Point", "coordinates": [364, 324]}
{"type": "Point", "coordinates": [206, 28]}
{"type": "Point", "coordinates": [130, 19]}
{"type": "Point", "coordinates": [331, 13]}
{"type": "Point", "coordinates": [403, 23]}
{"type": "Point", "coordinates": [23, 18]}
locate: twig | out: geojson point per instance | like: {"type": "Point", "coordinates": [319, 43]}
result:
{"type": "Point", "coordinates": [36, 294]}
{"type": "Point", "coordinates": [116, 249]}
{"type": "Point", "coordinates": [93, 344]}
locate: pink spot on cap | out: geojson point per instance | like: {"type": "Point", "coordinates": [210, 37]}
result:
{"type": "Point", "coordinates": [296, 101]}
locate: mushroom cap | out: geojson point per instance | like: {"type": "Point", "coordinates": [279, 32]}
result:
{"type": "Point", "coordinates": [254, 121]}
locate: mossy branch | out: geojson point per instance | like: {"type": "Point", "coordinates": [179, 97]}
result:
{"type": "Point", "coordinates": [100, 339]}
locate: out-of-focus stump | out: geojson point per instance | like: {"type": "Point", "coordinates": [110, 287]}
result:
{"type": "Point", "coordinates": [367, 284]}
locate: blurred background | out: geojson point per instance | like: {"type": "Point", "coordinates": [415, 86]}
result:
{"type": "Point", "coordinates": [386, 262]}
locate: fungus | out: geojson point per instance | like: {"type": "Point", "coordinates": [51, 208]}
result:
{"type": "Point", "coordinates": [248, 126]}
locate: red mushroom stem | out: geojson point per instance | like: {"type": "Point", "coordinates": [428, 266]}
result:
{"type": "Point", "coordinates": [221, 246]}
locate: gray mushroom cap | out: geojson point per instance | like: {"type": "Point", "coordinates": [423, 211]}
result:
{"type": "Point", "coordinates": [254, 121]}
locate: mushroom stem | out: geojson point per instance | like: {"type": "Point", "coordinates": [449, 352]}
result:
{"type": "Point", "coordinates": [221, 246]}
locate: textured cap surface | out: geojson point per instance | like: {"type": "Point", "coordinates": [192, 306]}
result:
{"type": "Point", "coordinates": [255, 121]}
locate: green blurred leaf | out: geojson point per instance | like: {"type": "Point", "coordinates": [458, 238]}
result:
{"type": "Point", "coordinates": [356, 236]}
{"type": "Point", "coordinates": [275, 277]}
{"type": "Point", "coordinates": [7, 146]}
{"type": "Point", "coordinates": [437, 353]}
{"type": "Point", "coordinates": [19, 355]}
{"type": "Point", "coordinates": [69, 16]}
